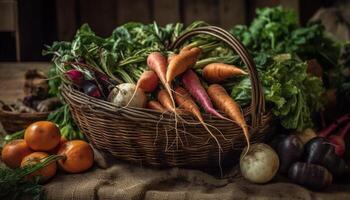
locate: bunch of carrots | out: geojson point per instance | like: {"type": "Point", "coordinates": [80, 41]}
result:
{"type": "Point", "coordinates": [189, 89]}
{"type": "Point", "coordinates": [43, 149]}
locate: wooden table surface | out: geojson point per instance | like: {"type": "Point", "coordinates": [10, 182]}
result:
{"type": "Point", "coordinates": [12, 78]}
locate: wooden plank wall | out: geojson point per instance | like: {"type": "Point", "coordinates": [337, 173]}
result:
{"type": "Point", "coordinates": [42, 22]}
{"type": "Point", "coordinates": [103, 16]}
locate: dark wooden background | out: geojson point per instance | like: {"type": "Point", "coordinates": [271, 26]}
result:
{"type": "Point", "coordinates": [44, 21]}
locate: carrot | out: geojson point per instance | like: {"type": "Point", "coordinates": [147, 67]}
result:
{"type": "Point", "coordinates": [185, 101]}
{"type": "Point", "coordinates": [193, 85]}
{"type": "Point", "coordinates": [227, 105]}
{"type": "Point", "coordinates": [186, 48]}
{"type": "Point", "coordinates": [181, 62]}
{"type": "Point", "coordinates": [148, 81]}
{"type": "Point", "coordinates": [158, 63]}
{"type": "Point", "coordinates": [218, 72]}
{"type": "Point", "coordinates": [165, 100]}
{"type": "Point", "coordinates": [171, 56]}
{"type": "Point", "coordinates": [155, 105]}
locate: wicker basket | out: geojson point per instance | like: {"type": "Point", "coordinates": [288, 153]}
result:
{"type": "Point", "coordinates": [13, 122]}
{"type": "Point", "coordinates": [148, 137]}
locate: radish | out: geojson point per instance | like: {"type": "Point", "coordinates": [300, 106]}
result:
{"type": "Point", "coordinates": [193, 85]}
{"type": "Point", "coordinates": [338, 140]}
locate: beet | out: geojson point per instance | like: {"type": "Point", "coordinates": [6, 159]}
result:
{"type": "Point", "coordinates": [76, 76]}
{"type": "Point", "coordinates": [338, 140]}
{"type": "Point", "coordinates": [327, 131]}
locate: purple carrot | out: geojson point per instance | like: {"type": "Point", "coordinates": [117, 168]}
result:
{"type": "Point", "coordinates": [192, 83]}
{"type": "Point", "coordinates": [338, 140]}
{"type": "Point", "coordinates": [327, 131]}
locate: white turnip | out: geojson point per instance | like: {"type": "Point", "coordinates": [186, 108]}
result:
{"type": "Point", "coordinates": [260, 164]}
{"type": "Point", "coordinates": [122, 95]}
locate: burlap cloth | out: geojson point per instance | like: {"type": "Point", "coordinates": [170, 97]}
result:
{"type": "Point", "coordinates": [120, 180]}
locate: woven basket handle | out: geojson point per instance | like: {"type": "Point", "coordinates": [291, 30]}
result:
{"type": "Point", "coordinates": [258, 100]}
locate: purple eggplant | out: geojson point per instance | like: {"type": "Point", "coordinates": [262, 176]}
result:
{"type": "Point", "coordinates": [290, 150]}
{"type": "Point", "coordinates": [91, 89]}
{"type": "Point", "coordinates": [319, 151]}
{"type": "Point", "coordinates": [310, 175]}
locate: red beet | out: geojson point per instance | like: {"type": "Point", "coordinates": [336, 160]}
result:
{"type": "Point", "coordinates": [75, 76]}
{"type": "Point", "coordinates": [338, 140]}
{"type": "Point", "coordinates": [327, 131]}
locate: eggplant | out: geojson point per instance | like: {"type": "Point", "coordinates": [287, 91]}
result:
{"type": "Point", "coordinates": [290, 150]}
{"type": "Point", "coordinates": [319, 151]}
{"type": "Point", "coordinates": [316, 149]}
{"type": "Point", "coordinates": [91, 89]}
{"type": "Point", "coordinates": [310, 175]}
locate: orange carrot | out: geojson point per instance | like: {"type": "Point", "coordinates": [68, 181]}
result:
{"type": "Point", "coordinates": [155, 105]}
{"type": "Point", "coordinates": [181, 62]}
{"type": "Point", "coordinates": [185, 101]}
{"type": "Point", "coordinates": [186, 48]}
{"type": "Point", "coordinates": [171, 56]}
{"type": "Point", "coordinates": [227, 105]}
{"type": "Point", "coordinates": [148, 81]}
{"type": "Point", "coordinates": [165, 100]}
{"type": "Point", "coordinates": [218, 72]}
{"type": "Point", "coordinates": [158, 63]}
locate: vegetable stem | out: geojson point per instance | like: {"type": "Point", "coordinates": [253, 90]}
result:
{"type": "Point", "coordinates": [44, 162]}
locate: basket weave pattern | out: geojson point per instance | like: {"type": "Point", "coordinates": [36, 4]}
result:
{"type": "Point", "coordinates": [149, 137]}
{"type": "Point", "coordinates": [13, 122]}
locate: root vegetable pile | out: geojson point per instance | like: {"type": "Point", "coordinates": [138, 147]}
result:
{"type": "Point", "coordinates": [204, 77]}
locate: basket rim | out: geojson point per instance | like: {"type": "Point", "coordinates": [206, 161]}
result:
{"type": "Point", "coordinates": [257, 104]}
{"type": "Point", "coordinates": [24, 115]}
{"type": "Point", "coordinates": [104, 104]}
